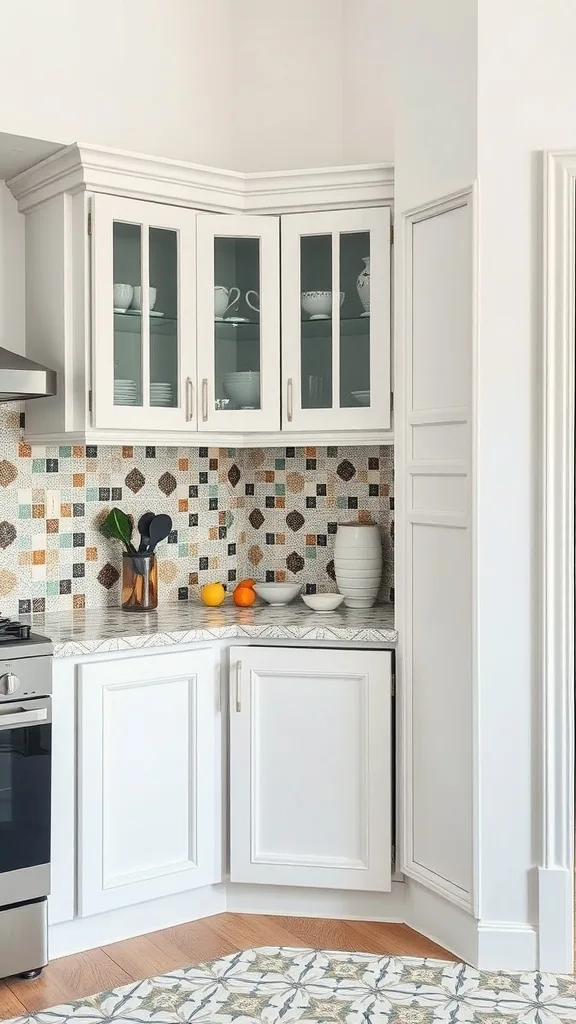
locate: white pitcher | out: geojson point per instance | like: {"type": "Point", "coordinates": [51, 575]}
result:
{"type": "Point", "coordinates": [223, 300]}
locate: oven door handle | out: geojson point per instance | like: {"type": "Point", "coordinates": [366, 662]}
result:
{"type": "Point", "coordinates": [21, 717]}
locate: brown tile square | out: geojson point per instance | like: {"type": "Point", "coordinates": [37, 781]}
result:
{"type": "Point", "coordinates": [213, 563]}
{"type": "Point", "coordinates": [53, 556]}
{"type": "Point", "coordinates": [91, 554]}
{"type": "Point", "coordinates": [78, 480]}
{"type": "Point", "coordinates": [310, 540]}
{"type": "Point", "coordinates": [193, 550]}
{"type": "Point", "coordinates": [65, 511]}
{"type": "Point", "coordinates": [222, 518]}
{"type": "Point", "coordinates": [213, 533]}
{"type": "Point", "coordinates": [25, 558]}
{"type": "Point", "coordinates": [52, 526]}
{"type": "Point", "coordinates": [280, 575]}
{"type": "Point", "coordinates": [79, 601]}
{"type": "Point", "coordinates": [38, 558]}
{"type": "Point", "coordinates": [24, 450]}
{"type": "Point", "coordinates": [183, 465]}
{"type": "Point", "coordinates": [362, 476]}
{"type": "Point", "coordinates": [310, 453]}
{"type": "Point", "coordinates": [280, 538]}
{"type": "Point", "coordinates": [280, 502]}
{"type": "Point", "coordinates": [183, 504]}
{"type": "Point", "coordinates": [192, 579]}
{"type": "Point", "coordinates": [127, 451]}
{"type": "Point", "coordinates": [78, 451]}
{"type": "Point", "coordinates": [38, 511]}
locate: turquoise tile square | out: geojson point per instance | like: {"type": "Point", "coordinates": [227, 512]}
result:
{"type": "Point", "coordinates": [65, 540]}
{"type": "Point", "coordinates": [38, 465]}
{"type": "Point", "coordinates": [52, 588]}
{"type": "Point", "coordinates": [65, 451]}
{"type": "Point", "coordinates": [310, 554]}
{"type": "Point", "coordinates": [24, 511]}
{"type": "Point", "coordinates": [279, 463]}
{"type": "Point", "coordinates": [182, 550]}
{"type": "Point", "coordinates": [24, 542]}
{"type": "Point", "coordinates": [341, 502]}
{"type": "Point", "coordinates": [66, 496]}
{"type": "Point", "coordinates": [229, 518]}
{"type": "Point", "coordinates": [213, 490]}
{"type": "Point", "coordinates": [91, 494]}
{"type": "Point", "coordinates": [279, 488]}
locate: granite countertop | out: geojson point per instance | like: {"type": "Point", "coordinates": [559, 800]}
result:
{"type": "Point", "coordinates": [98, 630]}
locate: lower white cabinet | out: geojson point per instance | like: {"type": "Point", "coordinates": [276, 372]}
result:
{"type": "Point", "coordinates": [310, 767]}
{"type": "Point", "coordinates": [149, 765]}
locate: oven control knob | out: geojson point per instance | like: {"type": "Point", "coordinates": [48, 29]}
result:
{"type": "Point", "coordinates": [9, 683]}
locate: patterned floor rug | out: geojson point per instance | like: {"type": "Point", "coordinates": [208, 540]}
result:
{"type": "Point", "coordinates": [278, 984]}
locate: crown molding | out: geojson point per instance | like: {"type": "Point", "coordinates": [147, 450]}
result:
{"type": "Point", "coordinates": [81, 166]}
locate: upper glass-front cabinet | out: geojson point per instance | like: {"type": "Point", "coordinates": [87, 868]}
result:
{"type": "Point", "coordinates": [336, 320]}
{"type": "Point", "coordinates": [144, 322]}
{"type": "Point", "coordinates": [238, 323]}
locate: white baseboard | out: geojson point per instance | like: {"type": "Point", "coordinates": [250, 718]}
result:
{"type": "Point", "coordinates": [506, 946]}
{"type": "Point", "coordinates": [303, 902]}
{"type": "Point", "coordinates": [555, 920]}
{"type": "Point", "coordinates": [441, 921]}
{"type": "Point", "coordinates": [126, 922]}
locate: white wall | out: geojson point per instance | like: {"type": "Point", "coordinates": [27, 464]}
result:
{"type": "Point", "coordinates": [11, 273]}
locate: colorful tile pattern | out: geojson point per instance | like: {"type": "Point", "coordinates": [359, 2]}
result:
{"type": "Point", "coordinates": [233, 511]}
{"type": "Point", "coordinates": [274, 984]}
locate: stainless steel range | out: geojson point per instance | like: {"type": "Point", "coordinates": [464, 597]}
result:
{"type": "Point", "coordinates": [25, 774]}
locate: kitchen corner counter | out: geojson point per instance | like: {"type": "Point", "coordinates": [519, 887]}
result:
{"type": "Point", "coordinates": [98, 630]}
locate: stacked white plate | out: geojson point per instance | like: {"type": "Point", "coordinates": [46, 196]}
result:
{"type": "Point", "coordinates": [243, 387]}
{"type": "Point", "coordinates": [161, 393]}
{"type": "Point", "coordinates": [125, 392]}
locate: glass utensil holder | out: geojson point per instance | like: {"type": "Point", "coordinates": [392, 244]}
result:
{"type": "Point", "coordinates": [139, 582]}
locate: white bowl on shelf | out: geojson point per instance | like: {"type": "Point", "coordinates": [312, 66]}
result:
{"type": "Point", "coordinates": [323, 603]}
{"type": "Point", "coordinates": [318, 304]}
{"type": "Point", "coordinates": [277, 593]}
{"type": "Point", "coordinates": [122, 296]}
{"type": "Point", "coordinates": [243, 388]}
{"type": "Point", "coordinates": [362, 397]}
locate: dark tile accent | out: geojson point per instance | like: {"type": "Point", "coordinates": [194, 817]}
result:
{"type": "Point", "coordinates": [182, 593]}
{"type": "Point", "coordinates": [345, 470]}
{"type": "Point", "coordinates": [135, 481]}
{"type": "Point", "coordinates": [234, 475]}
{"type": "Point", "coordinates": [91, 451]}
{"type": "Point", "coordinates": [231, 549]}
{"type": "Point", "coordinates": [373, 490]}
{"type": "Point", "coordinates": [321, 540]}
{"type": "Point", "coordinates": [116, 494]}
{"type": "Point", "coordinates": [193, 491]}
{"type": "Point", "coordinates": [78, 540]}
{"type": "Point", "coordinates": [321, 490]}
{"type": "Point", "coordinates": [310, 463]}
{"type": "Point", "coordinates": [295, 520]}
{"type": "Point", "coordinates": [22, 425]}
{"type": "Point", "coordinates": [150, 451]}
{"type": "Point", "coordinates": [78, 569]}
{"type": "Point", "coordinates": [373, 463]}
{"type": "Point", "coordinates": [173, 537]}
{"type": "Point", "coordinates": [7, 534]}
{"type": "Point", "coordinates": [332, 452]}
{"type": "Point", "coordinates": [249, 489]}
{"type": "Point", "coordinates": [202, 453]}
{"type": "Point", "coordinates": [352, 502]}
{"type": "Point", "coordinates": [310, 502]}
{"type": "Point", "coordinates": [107, 577]}
{"type": "Point", "coordinates": [103, 494]}
{"type": "Point", "coordinates": [193, 519]}
{"type": "Point", "coordinates": [269, 501]}
{"type": "Point", "coordinates": [391, 504]}
{"type": "Point", "coordinates": [256, 518]}
{"type": "Point", "coordinates": [310, 588]}
{"type": "Point", "coordinates": [213, 464]}
{"type": "Point", "coordinates": [51, 466]}
{"type": "Point", "coordinates": [38, 604]}
{"type": "Point", "coordinates": [167, 484]}
{"type": "Point", "coordinates": [212, 504]}
{"type": "Point", "coordinates": [202, 563]}
{"type": "Point", "coordinates": [202, 478]}
{"type": "Point", "coordinates": [78, 509]}
{"type": "Point", "coordinates": [269, 575]}
{"type": "Point", "coordinates": [294, 562]}
{"type": "Point", "coordinates": [192, 579]}
{"type": "Point", "coordinates": [270, 538]}
{"type": "Point", "coordinates": [222, 533]}
{"type": "Point", "coordinates": [332, 528]}
{"type": "Point", "coordinates": [66, 585]}
{"type": "Point", "coordinates": [290, 453]}
{"type": "Point", "coordinates": [24, 607]}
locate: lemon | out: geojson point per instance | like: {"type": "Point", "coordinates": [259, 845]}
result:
{"type": "Point", "coordinates": [213, 594]}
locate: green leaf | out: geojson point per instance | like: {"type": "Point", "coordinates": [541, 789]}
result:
{"type": "Point", "coordinates": [119, 526]}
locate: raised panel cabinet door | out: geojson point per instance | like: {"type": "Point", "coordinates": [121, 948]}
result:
{"type": "Point", "coordinates": [238, 323]}
{"type": "Point", "coordinates": [143, 315]}
{"type": "Point", "coordinates": [147, 795]}
{"type": "Point", "coordinates": [61, 902]}
{"type": "Point", "coordinates": [310, 768]}
{"type": "Point", "coordinates": [336, 289]}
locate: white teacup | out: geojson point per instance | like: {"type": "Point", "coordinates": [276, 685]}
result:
{"type": "Point", "coordinates": [223, 299]}
{"type": "Point", "coordinates": [318, 304]}
{"type": "Point", "coordinates": [137, 297]}
{"type": "Point", "coordinates": [123, 296]}
{"type": "Point", "coordinates": [256, 307]}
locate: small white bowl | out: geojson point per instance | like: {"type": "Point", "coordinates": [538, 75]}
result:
{"type": "Point", "coordinates": [277, 593]}
{"type": "Point", "coordinates": [318, 305]}
{"type": "Point", "coordinates": [122, 296]}
{"type": "Point", "coordinates": [323, 603]}
{"type": "Point", "coordinates": [137, 297]}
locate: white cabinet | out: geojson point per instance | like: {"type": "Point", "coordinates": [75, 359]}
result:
{"type": "Point", "coordinates": [238, 286]}
{"type": "Point", "coordinates": [310, 767]}
{"type": "Point", "coordinates": [335, 326]}
{"type": "Point", "coordinates": [144, 315]}
{"type": "Point", "coordinates": [149, 803]}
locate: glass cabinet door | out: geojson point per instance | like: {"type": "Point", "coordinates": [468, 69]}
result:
{"type": "Point", "coordinates": [144, 337]}
{"type": "Point", "coordinates": [238, 323]}
{"type": "Point", "coordinates": [335, 328]}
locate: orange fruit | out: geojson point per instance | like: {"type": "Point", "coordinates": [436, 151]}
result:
{"type": "Point", "coordinates": [244, 596]}
{"type": "Point", "coordinates": [213, 594]}
{"type": "Point", "coordinates": [246, 583]}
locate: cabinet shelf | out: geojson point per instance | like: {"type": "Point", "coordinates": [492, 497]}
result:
{"type": "Point", "coordinates": [131, 323]}
{"type": "Point", "coordinates": [350, 327]}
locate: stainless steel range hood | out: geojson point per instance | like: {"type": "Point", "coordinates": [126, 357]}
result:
{"type": "Point", "coordinates": [21, 378]}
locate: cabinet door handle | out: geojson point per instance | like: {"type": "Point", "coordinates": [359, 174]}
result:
{"type": "Point", "coordinates": [189, 399]}
{"type": "Point", "coordinates": [205, 399]}
{"type": "Point", "coordinates": [289, 389]}
{"type": "Point", "coordinates": [238, 686]}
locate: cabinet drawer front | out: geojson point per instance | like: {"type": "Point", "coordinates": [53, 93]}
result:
{"type": "Point", "coordinates": [147, 778]}
{"type": "Point", "coordinates": [311, 768]}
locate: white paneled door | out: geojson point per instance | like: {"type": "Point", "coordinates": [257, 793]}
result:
{"type": "Point", "coordinates": [149, 808]}
{"type": "Point", "coordinates": [310, 767]}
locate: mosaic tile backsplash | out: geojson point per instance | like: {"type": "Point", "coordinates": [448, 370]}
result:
{"type": "Point", "coordinates": [270, 514]}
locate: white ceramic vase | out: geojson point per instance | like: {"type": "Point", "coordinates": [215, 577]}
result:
{"type": "Point", "coordinates": [363, 285]}
{"type": "Point", "coordinates": [358, 563]}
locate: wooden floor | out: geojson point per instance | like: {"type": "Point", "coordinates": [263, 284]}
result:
{"type": "Point", "coordinates": [83, 974]}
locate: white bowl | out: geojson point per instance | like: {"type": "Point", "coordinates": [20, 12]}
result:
{"type": "Point", "coordinates": [362, 397]}
{"type": "Point", "coordinates": [123, 296]}
{"type": "Point", "coordinates": [323, 603]}
{"type": "Point", "coordinates": [318, 303]}
{"type": "Point", "coordinates": [277, 593]}
{"type": "Point", "coordinates": [243, 389]}
{"type": "Point", "coordinates": [137, 297]}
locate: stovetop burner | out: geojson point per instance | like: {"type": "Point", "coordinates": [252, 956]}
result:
{"type": "Point", "coordinates": [11, 630]}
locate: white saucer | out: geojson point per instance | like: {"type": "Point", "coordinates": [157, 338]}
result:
{"type": "Point", "coordinates": [320, 316]}
{"type": "Point", "coordinates": [237, 320]}
{"type": "Point", "coordinates": [118, 309]}
{"type": "Point", "coordinates": [138, 312]}
{"type": "Point", "coordinates": [365, 314]}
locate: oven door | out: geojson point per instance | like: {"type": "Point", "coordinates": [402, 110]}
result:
{"type": "Point", "coordinates": [25, 761]}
